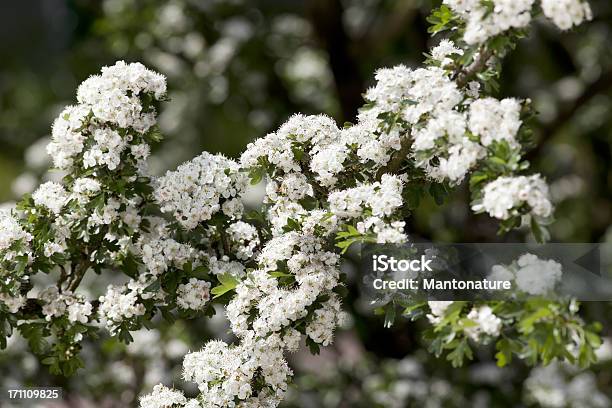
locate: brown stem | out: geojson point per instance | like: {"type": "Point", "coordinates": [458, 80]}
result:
{"type": "Point", "coordinates": [464, 76]}
{"type": "Point", "coordinates": [78, 275]}
{"type": "Point", "coordinates": [224, 241]}
{"type": "Point", "coordinates": [63, 276]}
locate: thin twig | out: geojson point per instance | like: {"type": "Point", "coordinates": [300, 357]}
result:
{"type": "Point", "coordinates": [80, 271]}
{"type": "Point", "coordinates": [464, 76]}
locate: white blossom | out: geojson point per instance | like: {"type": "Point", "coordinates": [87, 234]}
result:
{"type": "Point", "coordinates": [114, 96]}
{"type": "Point", "coordinates": [85, 187]}
{"type": "Point", "coordinates": [442, 51]}
{"type": "Point", "coordinates": [325, 320]}
{"type": "Point", "coordinates": [12, 303]}
{"type": "Point", "coordinates": [11, 231]}
{"type": "Point", "coordinates": [438, 308]}
{"type": "Point", "coordinates": [413, 93]}
{"type": "Point", "coordinates": [484, 21]}
{"type": "Point", "coordinates": [193, 295]}
{"type": "Point", "coordinates": [197, 189]}
{"type": "Point", "coordinates": [495, 120]}
{"type": "Point", "coordinates": [382, 198]}
{"type": "Point", "coordinates": [244, 239]}
{"type": "Point", "coordinates": [57, 304]}
{"type": "Point", "coordinates": [51, 195]}
{"type": "Point", "coordinates": [567, 13]}
{"type": "Point", "coordinates": [486, 323]}
{"type": "Point", "coordinates": [537, 276]}
{"type": "Point", "coordinates": [119, 304]}
{"type": "Point", "coordinates": [328, 162]}
{"type": "Point", "coordinates": [67, 139]}
{"type": "Point", "coordinates": [503, 197]}
{"type": "Point", "coordinates": [162, 397]}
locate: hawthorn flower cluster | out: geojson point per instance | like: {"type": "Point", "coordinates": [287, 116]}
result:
{"type": "Point", "coordinates": [113, 95]}
{"type": "Point", "coordinates": [193, 295]}
{"type": "Point", "coordinates": [163, 397]}
{"type": "Point", "coordinates": [56, 304]}
{"type": "Point", "coordinates": [11, 232]}
{"type": "Point", "coordinates": [14, 242]}
{"type": "Point", "coordinates": [15, 254]}
{"type": "Point", "coordinates": [531, 274]}
{"type": "Point", "coordinates": [198, 189]}
{"type": "Point", "coordinates": [159, 254]}
{"type": "Point", "coordinates": [372, 204]}
{"type": "Point", "coordinates": [12, 303]}
{"type": "Point", "coordinates": [225, 374]}
{"type": "Point", "coordinates": [509, 196]}
{"type": "Point", "coordinates": [487, 324]}
{"type": "Point", "coordinates": [437, 309]}
{"type": "Point", "coordinates": [120, 304]}
{"type": "Point", "coordinates": [484, 324]}
{"type": "Point", "coordinates": [484, 20]}
{"type": "Point", "coordinates": [98, 218]}
{"type": "Point", "coordinates": [51, 195]}
{"type": "Point", "coordinates": [244, 238]}
{"type": "Point", "coordinates": [96, 132]}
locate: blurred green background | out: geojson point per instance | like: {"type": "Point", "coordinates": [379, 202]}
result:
{"type": "Point", "coordinates": [237, 69]}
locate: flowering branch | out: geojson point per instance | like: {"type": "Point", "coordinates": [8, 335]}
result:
{"type": "Point", "coordinates": [183, 238]}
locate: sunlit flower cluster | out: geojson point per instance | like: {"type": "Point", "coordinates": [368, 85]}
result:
{"type": "Point", "coordinates": [11, 232]}
{"type": "Point", "coordinates": [488, 19]}
{"type": "Point", "coordinates": [193, 295]}
{"type": "Point", "coordinates": [114, 111]}
{"type": "Point", "coordinates": [507, 196]}
{"type": "Point", "coordinates": [226, 374]}
{"type": "Point", "coordinates": [51, 195]}
{"type": "Point", "coordinates": [244, 238]}
{"type": "Point", "coordinates": [487, 324]}
{"type": "Point", "coordinates": [119, 304]}
{"type": "Point", "coordinates": [161, 253]}
{"type": "Point", "coordinates": [198, 189]}
{"type": "Point", "coordinates": [56, 304]}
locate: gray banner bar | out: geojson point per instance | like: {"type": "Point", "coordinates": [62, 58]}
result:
{"type": "Point", "coordinates": [479, 271]}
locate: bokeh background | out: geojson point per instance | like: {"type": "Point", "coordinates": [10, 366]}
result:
{"type": "Point", "coordinates": [236, 70]}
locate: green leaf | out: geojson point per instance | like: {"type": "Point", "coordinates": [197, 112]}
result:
{"type": "Point", "coordinates": [292, 225]}
{"type": "Point", "coordinates": [34, 333]}
{"type": "Point", "coordinates": [256, 174]}
{"type": "Point", "coordinates": [201, 272]}
{"type": "Point", "coordinates": [461, 352]}
{"type": "Point", "coordinates": [341, 290]}
{"type": "Point", "coordinates": [526, 324]}
{"type": "Point", "coordinates": [440, 19]}
{"type": "Point", "coordinates": [130, 266]}
{"type": "Point", "coordinates": [540, 233]}
{"type": "Point", "coordinates": [228, 283]}
{"type": "Point", "coordinates": [279, 274]}
{"type": "Point", "coordinates": [312, 346]}
{"type": "Point", "coordinates": [506, 347]}
{"type": "Point", "coordinates": [438, 192]}
{"type": "Point", "coordinates": [413, 193]}
{"type": "Point", "coordinates": [414, 311]}
{"type": "Point", "coordinates": [389, 315]}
